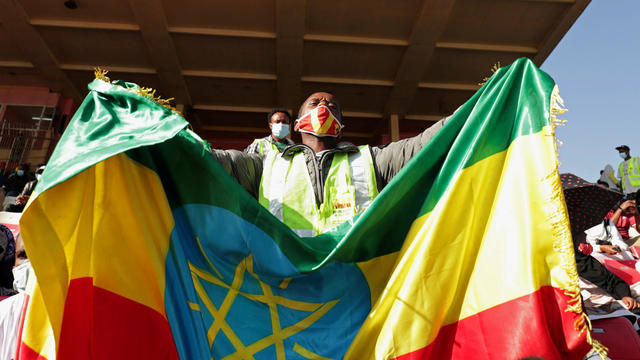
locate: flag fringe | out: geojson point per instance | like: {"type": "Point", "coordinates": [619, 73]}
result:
{"type": "Point", "coordinates": [557, 108]}
{"type": "Point", "coordinates": [147, 93]}
{"type": "Point", "coordinates": [494, 68]}
{"type": "Point", "coordinates": [561, 231]}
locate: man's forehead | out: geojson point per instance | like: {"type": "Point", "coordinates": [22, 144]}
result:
{"type": "Point", "coordinates": [322, 96]}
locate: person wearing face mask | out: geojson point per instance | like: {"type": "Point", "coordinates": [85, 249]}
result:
{"type": "Point", "coordinates": [280, 126]}
{"type": "Point", "coordinates": [323, 182]}
{"type": "Point", "coordinates": [23, 198]}
{"type": "Point", "coordinates": [16, 181]}
{"type": "Point", "coordinates": [628, 171]}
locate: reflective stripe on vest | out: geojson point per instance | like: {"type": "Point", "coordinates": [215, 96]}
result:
{"type": "Point", "coordinates": [263, 148]}
{"type": "Point", "coordinates": [286, 190]}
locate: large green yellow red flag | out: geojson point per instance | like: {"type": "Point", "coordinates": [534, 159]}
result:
{"type": "Point", "coordinates": [144, 247]}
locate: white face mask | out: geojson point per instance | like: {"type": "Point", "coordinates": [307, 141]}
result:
{"type": "Point", "coordinates": [280, 130]}
{"type": "Point", "coordinates": [21, 275]}
{"type": "Point", "coordinates": [623, 155]}
{"type": "Point", "coordinates": [20, 172]}
{"type": "Point", "coordinates": [38, 176]}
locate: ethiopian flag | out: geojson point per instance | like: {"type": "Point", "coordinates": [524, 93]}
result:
{"type": "Point", "coordinates": [145, 248]}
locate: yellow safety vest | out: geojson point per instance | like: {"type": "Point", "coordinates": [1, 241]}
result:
{"type": "Point", "coordinates": [632, 173]}
{"type": "Point", "coordinates": [286, 190]}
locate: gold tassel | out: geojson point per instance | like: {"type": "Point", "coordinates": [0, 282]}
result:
{"type": "Point", "coordinates": [557, 109]}
{"type": "Point", "coordinates": [101, 74]}
{"type": "Point", "coordinates": [150, 94]}
{"type": "Point", "coordinates": [561, 231]}
{"type": "Point", "coordinates": [494, 68]}
{"type": "Point", "coordinates": [147, 93]}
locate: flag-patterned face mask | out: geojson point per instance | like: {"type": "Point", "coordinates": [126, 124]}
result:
{"type": "Point", "coordinates": [320, 122]}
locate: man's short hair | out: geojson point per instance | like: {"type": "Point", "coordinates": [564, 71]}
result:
{"type": "Point", "coordinates": [274, 111]}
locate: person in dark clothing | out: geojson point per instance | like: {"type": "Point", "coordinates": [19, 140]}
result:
{"type": "Point", "coordinates": [16, 181]}
{"type": "Point", "coordinates": [22, 199]}
{"type": "Point", "coordinates": [3, 178]}
{"type": "Point", "coordinates": [7, 260]}
{"type": "Point", "coordinates": [591, 269]}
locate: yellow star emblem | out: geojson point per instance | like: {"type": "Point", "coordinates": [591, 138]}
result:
{"type": "Point", "coordinates": [278, 335]}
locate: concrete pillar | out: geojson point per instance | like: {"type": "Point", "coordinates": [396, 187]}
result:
{"type": "Point", "coordinates": [394, 127]}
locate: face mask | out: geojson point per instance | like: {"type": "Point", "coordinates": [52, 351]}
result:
{"type": "Point", "coordinates": [280, 130]}
{"type": "Point", "coordinates": [623, 155]}
{"type": "Point", "coordinates": [21, 275]}
{"type": "Point", "coordinates": [20, 172]}
{"type": "Point", "coordinates": [38, 176]}
{"type": "Point", "coordinates": [320, 122]}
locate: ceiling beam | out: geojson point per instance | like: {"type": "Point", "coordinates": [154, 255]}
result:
{"type": "Point", "coordinates": [448, 86]}
{"type": "Point", "coordinates": [221, 32]}
{"type": "Point", "coordinates": [487, 47]}
{"type": "Point", "coordinates": [153, 24]}
{"type": "Point", "coordinates": [15, 21]}
{"type": "Point", "coordinates": [252, 109]}
{"type": "Point", "coordinates": [348, 81]}
{"type": "Point", "coordinates": [358, 114]}
{"type": "Point", "coordinates": [290, 26]}
{"type": "Point", "coordinates": [16, 64]}
{"type": "Point", "coordinates": [559, 29]}
{"type": "Point", "coordinates": [84, 24]}
{"type": "Point", "coordinates": [118, 69]}
{"type": "Point", "coordinates": [428, 25]}
{"type": "Point", "coordinates": [552, 1]}
{"type": "Point", "coordinates": [229, 75]}
{"type": "Point", "coordinates": [356, 40]}
{"type": "Point", "coordinates": [424, 117]}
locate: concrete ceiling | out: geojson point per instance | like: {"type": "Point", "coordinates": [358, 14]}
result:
{"type": "Point", "coordinates": [228, 62]}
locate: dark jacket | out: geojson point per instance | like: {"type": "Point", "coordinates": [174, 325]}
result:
{"type": "Point", "coordinates": [15, 184]}
{"type": "Point", "coordinates": [591, 269]}
{"type": "Point", "coordinates": [387, 160]}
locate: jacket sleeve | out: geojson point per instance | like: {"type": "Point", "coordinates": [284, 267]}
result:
{"type": "Point", "coordinates": [390, 158]}
{"type": "Point", "coordinates": [590, 269]}
{"type": "Point", "coordinates": [246, 169]}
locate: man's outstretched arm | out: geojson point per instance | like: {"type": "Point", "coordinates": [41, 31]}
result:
{"type": "Point", "coordinates": [390, 159]}
{"type": "Point", "coordinates": [246, 169]}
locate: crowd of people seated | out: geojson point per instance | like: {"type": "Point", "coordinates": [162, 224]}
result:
{"type": "Point", "coordinates": [607, 254]}
{"type": "Point", "coordinates": [15, 268]}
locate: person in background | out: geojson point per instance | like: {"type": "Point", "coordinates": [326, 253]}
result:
{"type": "Point", "coordinates": [279, 121]}
{"type": "Point", "coordinates": [628, 171]}
{"type": "Point", "coordinates": [23, 198]}
{"type": "Point", "coordinates": [3, 178]}
{"type": "Point", "coordinates": [16, 181]}
{"type": "Point", "coordinates": [12, 307]}
{"type": "Point", "coordinates": [591, 269]}
{"type": "Point", "coordinates": [7, 260]}
{"type": "Point", "coordinates": [608, 178]}
{"type": "Point", "coordinates": [624, 217]}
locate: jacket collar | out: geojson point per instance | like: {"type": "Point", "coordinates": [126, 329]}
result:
{"type": "Point", "coordinates": [342, 146]}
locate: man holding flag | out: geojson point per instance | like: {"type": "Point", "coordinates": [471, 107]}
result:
{"type": "Point", "coordinates": [321, 183]}
{"type": "Point", "coordinates": [211, 273]}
